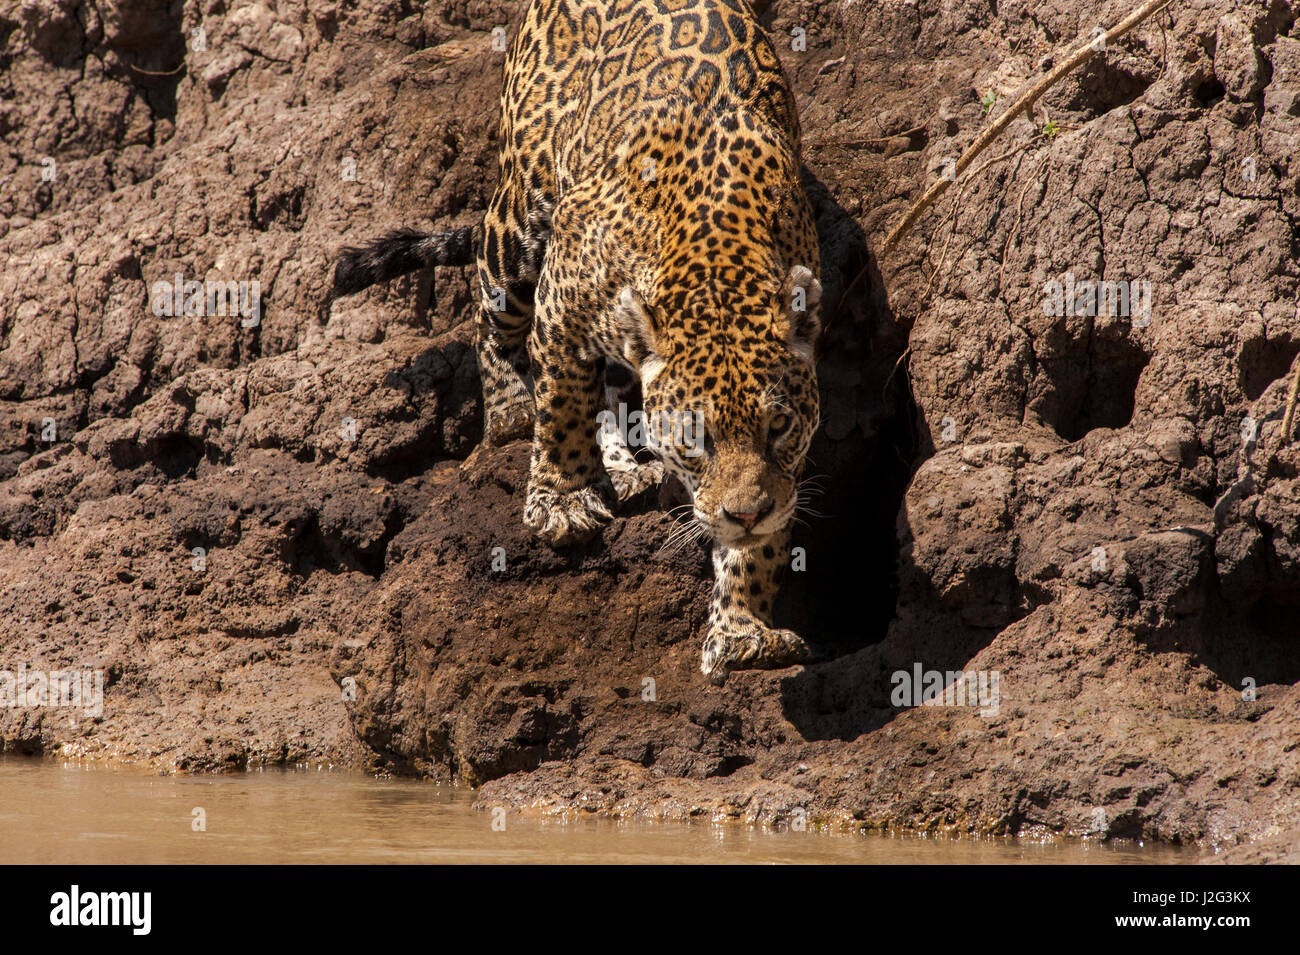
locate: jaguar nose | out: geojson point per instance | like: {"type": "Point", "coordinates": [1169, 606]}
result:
{"type": "Point", "coordinates": [747, 519]}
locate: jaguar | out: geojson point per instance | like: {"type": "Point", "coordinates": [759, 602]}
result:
{"type": "Point", "coordinates": [649, 229]}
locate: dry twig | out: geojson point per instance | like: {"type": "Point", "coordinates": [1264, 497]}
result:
{"type": "Point", "coordinates": [1288, 418]}
{"type": "Point", "coordinates": [139, 69]}
{"type": "Point", "coordinates": [864, 142]}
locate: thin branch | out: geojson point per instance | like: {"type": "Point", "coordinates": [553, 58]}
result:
{"type": "Point", "coordinates": [157, 72]}
{"type": "Point", "coordinates": [1293, 394]}
{"type": "Point", "coordinates": [864, 142]}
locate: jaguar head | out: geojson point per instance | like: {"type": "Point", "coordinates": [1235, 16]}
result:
{"type": "Point", "coordinates": [730, 402]}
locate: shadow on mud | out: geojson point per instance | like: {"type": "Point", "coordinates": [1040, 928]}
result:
{"type": "Point", "coordinates": [842, 587]}
{"type": "Point", "coordinates": [847, 599]}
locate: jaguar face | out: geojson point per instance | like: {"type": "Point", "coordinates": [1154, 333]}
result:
{"type": "Point", "coordinates": [733, 416]}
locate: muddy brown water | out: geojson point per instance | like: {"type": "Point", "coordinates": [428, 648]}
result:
{"type": "Point", "coordinates": [56, 812]}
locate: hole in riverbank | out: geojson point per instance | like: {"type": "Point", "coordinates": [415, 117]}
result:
{"type": "Point", "coordinates": [1101, 394]}
{"type": "Point", "coordinates": [1102, 85]}
{"type": "Point", "coordinates": [1263, 361]}
{"type": "Point", "coordinates": [176, 455]}
{"type": "Point", "coordinates": [1208, 92]}
{"type": "Point", "coordinates": [1255, 643]}
{"type": "Point", "coordinates": [150, 47]}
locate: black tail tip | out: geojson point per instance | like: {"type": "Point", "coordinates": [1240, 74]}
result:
{"type": "Point", "coordinates": [393, 254]}
{"type": "Point", "coordinates": [350, 274]}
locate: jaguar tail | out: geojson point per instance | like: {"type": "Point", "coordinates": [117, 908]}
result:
{"type": "Point", "coordinates": [400, 252]}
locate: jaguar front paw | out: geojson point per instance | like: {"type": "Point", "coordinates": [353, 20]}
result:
{"type": "Point", "coordinates": [565, 518]}
{"type": "Point", "coordinates": [509, 421]}
{"type": "Point", "coordinates": [749, 646]}
{"type": "Point", "coordinates": [629, 483]}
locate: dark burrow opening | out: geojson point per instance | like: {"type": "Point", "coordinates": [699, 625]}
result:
{"type": "Point", "coordinates": [1208, 91]}
{"type": "Point", "coordinates": [1248, 645]}
{"type": "Point", "coordinates": [1097, 393]}
{"type": "Point", "coordinates": [842, 587]}
{"type": "Point", "coordinates": [1102, 85]}
{"type": "Point", "coordinates": [152, 47]}
{"type": "Point", "coordinates": [1263, 361]}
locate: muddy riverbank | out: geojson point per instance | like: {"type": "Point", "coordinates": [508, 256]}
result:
{"type": "Point", "coordinates": [278, 540]}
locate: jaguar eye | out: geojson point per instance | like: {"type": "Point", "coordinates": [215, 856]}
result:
{"type": "Point", "coordinates": [779, 425]}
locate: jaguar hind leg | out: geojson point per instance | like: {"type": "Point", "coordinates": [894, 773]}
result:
{"type": "Point", "coordinates": [507, 394]}
{"type": "Point", "coordinates": [515, 231]}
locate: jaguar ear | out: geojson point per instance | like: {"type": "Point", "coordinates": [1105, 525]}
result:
{"type": "Point", "coordinates": [637, 329]}
{"type": "Point", "coordinates": [803, 295]}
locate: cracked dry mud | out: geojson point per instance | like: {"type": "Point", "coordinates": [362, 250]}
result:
{"type": "Point", "coordinates": [1099, 507]}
